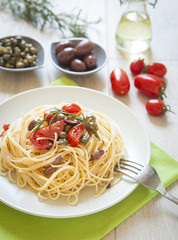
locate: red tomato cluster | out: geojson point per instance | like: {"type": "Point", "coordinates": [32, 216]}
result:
{"type": "Point", "coordinates": [148, 80]}
{"type": "Point", "coordinates": [73, 136]}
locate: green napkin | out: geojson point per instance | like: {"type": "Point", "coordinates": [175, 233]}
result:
{"type": "Point", "coordinates": [15, 225]}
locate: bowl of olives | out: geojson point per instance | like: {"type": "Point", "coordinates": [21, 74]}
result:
{"type": "Point", "coordinates": [77, 56]}
{"type": "Point", "coordinates": [20, 53]}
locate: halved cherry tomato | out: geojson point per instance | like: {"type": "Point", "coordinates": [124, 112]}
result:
{"type": "Point", "coordinates": [39, 144]}
{"type": "Point", "coordinates": [49, 132]}
{"type": "Point", "coordinates": [150, 85]}
{"type": "Point", "coordinates": [137, 66]}
{"type": "Point", "coordinates": [47, 112]}
{"type": "Point", "coordinates": [71, 108]}
{"type": "Point", "coordinates": [6, 127]}
{"type": "Point", "coordinates": [156, 107]}
{"type": "Point", "coordinates": [119, 81]}
{"type": "Point", "coordinates": [75, 134]}
{"type": "Point", "coordinates": [157, 69]}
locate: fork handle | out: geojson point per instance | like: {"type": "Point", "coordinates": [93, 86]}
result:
{"type": "Point", "coordinates": [170, 197]}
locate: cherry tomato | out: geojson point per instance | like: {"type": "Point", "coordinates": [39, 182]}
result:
{"type": "Point", "coordinates": [150, 85]}
{"type": "Point", "coordinates": [71, 108]}
{"type": "Point", "coordinates": [6, 127]}
{"type": "Point", "coordinates": [119, 81]}
{"type": "Point", "coordinates": [50, 131]}
{"type": "Point", "coordinates": [47, 112]}
{"type": "Point", "coordinates": [39, 144]}
{"type": "Point", "coordinates": [137, 66]}
{"type": "Point", "coordinates": [156, 107]}
{"type": "Point", "coordinates": [75, 134]}
{"type": "Point", "coordinates": [157, 69]}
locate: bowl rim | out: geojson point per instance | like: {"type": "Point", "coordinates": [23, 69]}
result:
{"type": "Point", "coordinates": [73, 72]}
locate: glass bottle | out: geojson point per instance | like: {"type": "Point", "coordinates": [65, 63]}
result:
{"type": "Point", "coordinates": [133, 33]}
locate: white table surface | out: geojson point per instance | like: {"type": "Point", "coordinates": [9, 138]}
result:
{"type": "Point", "coordinates": [159, 218]}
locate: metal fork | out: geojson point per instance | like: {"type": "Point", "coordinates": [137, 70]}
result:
{"type": "Point", "coordinates": [146, 175]}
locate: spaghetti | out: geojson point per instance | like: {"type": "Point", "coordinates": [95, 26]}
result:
{"type": "Point", "coordinates": [62, 168]}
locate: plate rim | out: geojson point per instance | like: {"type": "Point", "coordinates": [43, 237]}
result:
{"type": "Point", "coordinates": [106, 206]}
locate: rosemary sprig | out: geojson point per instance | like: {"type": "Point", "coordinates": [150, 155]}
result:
{"type": "Point", "coordinates": [79, 119]}
{"type": "Point", "coordinates": [40, 14]}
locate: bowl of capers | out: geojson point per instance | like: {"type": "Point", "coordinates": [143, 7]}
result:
{"type": "Point", "coordinates": [20, 53]}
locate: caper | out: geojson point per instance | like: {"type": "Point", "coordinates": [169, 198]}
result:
{"type": "Point", "coordinates": [27, 50]}
{"type": "Point", "coordinates": [33, 50]}
{"type": "Point", "coordinates": [18, 38]}
{"type": "Point", "coordinates": [29, 58]}
{"type": "Point", "coordinates": [17, 52]}
{"type": "Point", "coordinates": [5, 51]}
{"type": "Point", "coordinates": [85, 138]}
{"type": "Point", "coordinates": [1, 62]}
{"type": "Point", "coordinates": [22, 44]}
{"type": "Point", "coordinates": [29, 45]}
{"type": "Point", "coordinates": [19, 64]}
{"type": "Point", "coordinates": [9, 50]}
{"type": "Point", "coordinates": [33, 64]}
{"type": "Point", "coordinates": [7, 65]}
{"type": "Point", "coordinates": [6, 57]}
{"type": "Point", "coordinates": [63, 141]}
{"type": "Point", "coordinates": [34, 57]}
{"type": "Point", "coordinates": [26, 63]}
{"type": "Point", "coordinates": [12, 60]}
{"type": "Point", "coordinates": [7, 42]}
{"type": "Point", "coordinates": [63, 135]}
{"type": "Point", "coordinates": [23, 54]}
{"type": "Point", "coordinates": [67, 128]}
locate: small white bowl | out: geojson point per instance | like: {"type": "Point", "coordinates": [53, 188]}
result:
{"type": "Point", "coordinates": [40, 56]}
{"type": "Point", "coordinates": [98, 50]}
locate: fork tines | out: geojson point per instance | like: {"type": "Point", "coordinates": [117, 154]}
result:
{"type": "Point", "coordinates": [130, 168]}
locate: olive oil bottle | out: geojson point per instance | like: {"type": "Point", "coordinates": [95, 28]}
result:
{"type": "Point", "coordinates": [133, 33]}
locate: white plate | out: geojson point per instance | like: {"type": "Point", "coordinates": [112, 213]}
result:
{"type": "Point", "coordinates": [136, 140]}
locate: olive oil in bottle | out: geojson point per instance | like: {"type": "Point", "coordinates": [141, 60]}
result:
{"type": "Point", "coordinates": [133, 32]}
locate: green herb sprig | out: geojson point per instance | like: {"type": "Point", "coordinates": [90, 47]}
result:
{"type": "Point", "coordinates": [80, 119]}
{"type": "Point", "coordinates": [40, 14]}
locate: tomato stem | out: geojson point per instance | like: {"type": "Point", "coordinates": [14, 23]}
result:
{"type": "Point", "coordinates": [162, 93]}
{"type": "Point", "coordinates": [167, 108]}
